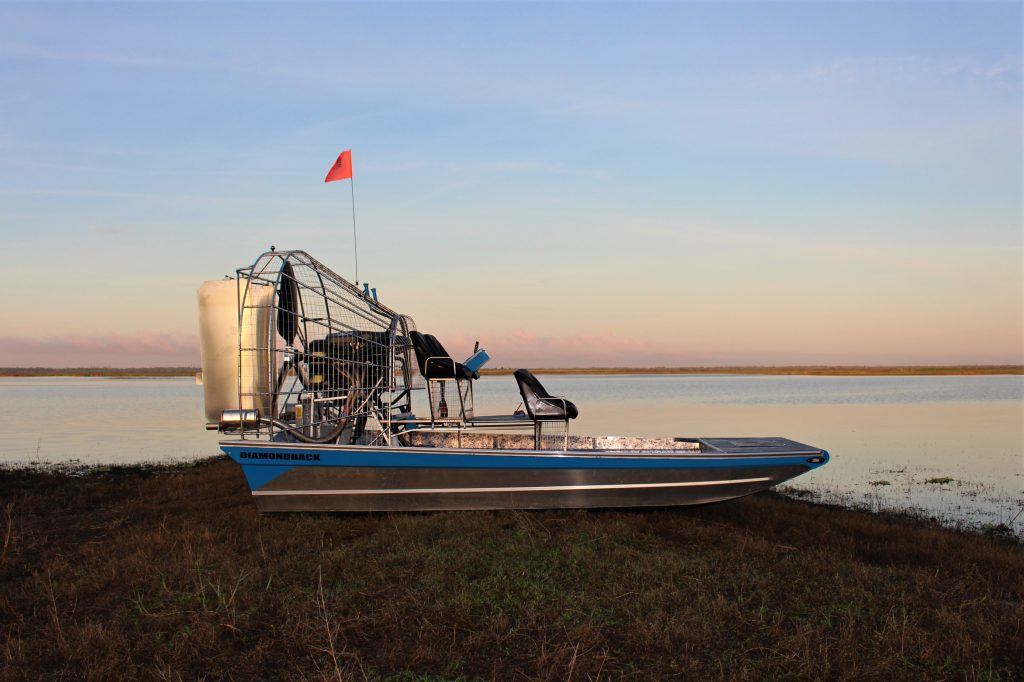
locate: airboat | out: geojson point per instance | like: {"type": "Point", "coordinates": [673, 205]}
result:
{"type": "Point", "coordinates": [331, 401]}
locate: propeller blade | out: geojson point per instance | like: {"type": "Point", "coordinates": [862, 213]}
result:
{"type": "Point", "coordinates": [287, 305]}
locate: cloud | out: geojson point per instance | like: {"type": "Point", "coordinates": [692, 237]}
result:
{"type": "Point", "coordinates": [522, 348]}
{"type": "Point", "coordinates": [116, 350]}
{"type": "Point", "coordinates": [495, 166]}
{"type": "Point", "coordinates": [89, 56]}
{"type": "Point", "coordinates": [141, 196]}
{"type": "Point", "coordinates": [507, 349]}
{"type": "Point", "coordinates": [894, 69]}
{"type": "Point", "coordinates": [608, 106]}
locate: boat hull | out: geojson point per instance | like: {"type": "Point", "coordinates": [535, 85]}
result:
{"type": "Point", "coordinates": [289, 477]}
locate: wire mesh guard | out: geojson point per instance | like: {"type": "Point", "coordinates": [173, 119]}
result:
{"type": "Point", "coordinates": [319, 360]}
{"type": "Point", "coordinates": [451, 400]}
{"type": "Point", "coordinates": [551, 435]}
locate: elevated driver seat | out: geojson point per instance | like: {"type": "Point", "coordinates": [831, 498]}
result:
{"type": "Point", "coordinates": [541, 405]}
{"type": "Point", "coordinates": [434, 360]}
{"type": "Point", "coordinates": [438, 368]}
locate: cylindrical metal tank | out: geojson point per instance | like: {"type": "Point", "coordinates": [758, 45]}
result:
{"type": "Point", "coordinates": [220, 336]}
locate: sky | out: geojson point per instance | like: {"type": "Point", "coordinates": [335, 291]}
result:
{"type": "Point", "coordinates": [669, 184]}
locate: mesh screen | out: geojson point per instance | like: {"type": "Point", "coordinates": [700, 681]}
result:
{"type": "Point", "coordinates": [317, 357]}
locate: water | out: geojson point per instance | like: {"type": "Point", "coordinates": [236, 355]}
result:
{"type": "Point", "coordinates": [949, 447]}
{"type": "Point", "coordinates": [96, 420]}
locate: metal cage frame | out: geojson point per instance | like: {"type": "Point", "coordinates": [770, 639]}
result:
{"type": "Point", "coordinates": [319, 360]}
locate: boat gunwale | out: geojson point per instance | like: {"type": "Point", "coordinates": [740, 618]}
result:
{"type": "Point", "coordinates": [641, 454]}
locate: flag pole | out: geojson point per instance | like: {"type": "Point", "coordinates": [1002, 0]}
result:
{"type": "Point", "coordinates": [342, 170]}
{"type": "Point", "coordinates": [355, 244]}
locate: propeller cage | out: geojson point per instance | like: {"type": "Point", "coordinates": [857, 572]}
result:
{"type": "Point", "coordinates": [318, 359]}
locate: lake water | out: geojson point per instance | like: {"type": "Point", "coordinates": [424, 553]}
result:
{"type": "Point", "coordinates": [948, 447]}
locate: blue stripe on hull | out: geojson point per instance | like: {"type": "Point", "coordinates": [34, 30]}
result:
{"type": "Point", "coordinates": [262, 463]}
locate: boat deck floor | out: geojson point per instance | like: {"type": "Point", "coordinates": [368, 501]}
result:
{"type": "Point", "coordinates": [457, 439]}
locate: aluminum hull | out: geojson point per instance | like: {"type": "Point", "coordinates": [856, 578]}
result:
{"type": "Point", "coordinates": [295, 477]}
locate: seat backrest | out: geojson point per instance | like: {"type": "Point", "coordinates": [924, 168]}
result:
{"type": "Point", "coordinates": [419, 344]}
{"type": "Point", "coordinates": [435, 347]}
{"type": "Point", "coordinates": [288, 304]}
{"type": "Point", "coordinates": [530, 389]}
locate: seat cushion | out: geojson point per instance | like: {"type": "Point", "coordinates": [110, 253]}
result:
{"type": "Point", "coordinates": [548, 409]}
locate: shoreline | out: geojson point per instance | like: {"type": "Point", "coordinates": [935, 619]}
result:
{"type": "Point", "coordinates": [766, 584]}
{"type": "Point", "coordinates": [78, 470]}
{"type": "Point", "coordinates": [766, 370]}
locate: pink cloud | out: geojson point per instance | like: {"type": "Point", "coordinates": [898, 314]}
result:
{"type": "Point", "coordinates": [513, 349]}
{"type": "Point", "coordinates": [140, 349]}
{"type": "Point", "coordinates": [524, 349]}
{"type": "Point", "coordinates": [517, 348]}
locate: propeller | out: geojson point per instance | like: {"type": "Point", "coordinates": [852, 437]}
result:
{"type": "Point", "coordinates": [288, 305]}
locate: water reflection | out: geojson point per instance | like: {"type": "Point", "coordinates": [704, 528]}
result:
{"type": "Point", "coordinates": [894, 440]}
{"type": "Point", "coordinates": [102, 421]}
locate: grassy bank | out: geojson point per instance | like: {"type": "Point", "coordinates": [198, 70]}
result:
{"type": "Point", "coordinates": [812, 370]}
{"type": "Point", "coordinates": [171, 574]}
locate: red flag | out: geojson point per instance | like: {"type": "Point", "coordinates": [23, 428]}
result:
{"type": "Point", "coordinates": [342, 168]}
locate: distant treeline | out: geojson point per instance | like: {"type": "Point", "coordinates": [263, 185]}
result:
{"type": "Point", "coordinates": [819, 370]}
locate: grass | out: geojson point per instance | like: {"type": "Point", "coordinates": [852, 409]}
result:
{"type": "Point", "coordinates": [171, 574]}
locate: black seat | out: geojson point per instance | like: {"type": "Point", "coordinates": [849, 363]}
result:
{"type": "Point", "coordinates": [541, 405]}
{"type": "Point", "coordinates": [434, 361]}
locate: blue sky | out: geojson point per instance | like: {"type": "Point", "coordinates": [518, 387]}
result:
{"type": "Point", "coordinates": [581, 184]}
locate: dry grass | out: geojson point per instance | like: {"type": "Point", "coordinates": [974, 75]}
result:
{"type": "Point", "coordinates": [171, 574]}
